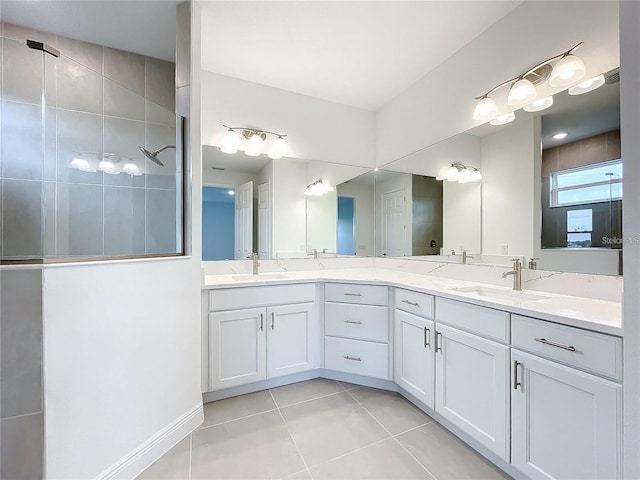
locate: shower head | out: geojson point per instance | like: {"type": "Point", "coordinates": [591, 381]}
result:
{"type": "Point", "coordinates": [153, 156]}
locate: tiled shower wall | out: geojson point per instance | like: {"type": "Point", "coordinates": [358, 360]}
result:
{"type": "Point", "coordinates": [98, 100]}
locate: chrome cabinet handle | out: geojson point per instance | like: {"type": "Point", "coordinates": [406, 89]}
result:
{"type": "Point", "coordinates": [515, 375]}
{"type": "Point", "coordinates": [427, 334]}
{"type": "Point", "coordinates": [571, 348]}
{"type": "Point", "coordinates": [413, 304]}
{"type": "Point", "coordinates": [356, 322]}
{"type": "Point", "coordinates": [353, 294]}
{"type": "Point", "coordinates": [272, 320]}
{"type": "Point", "coordinates": [261, 322]}
{"type": "Point", "coordinates": [355, 359]}
{"type": "Point", "coordinates": [438, 346]}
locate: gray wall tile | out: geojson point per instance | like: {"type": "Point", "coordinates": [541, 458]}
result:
{"type": "Point", "coordinates": [87, 54]}
{"type": "Point", "coordinates": [21, 225]}
{"type": "Point", "coordinates": [161, 221]}
{"type": "Point", "coordinates": [50, 139]}
{"type": "Point", "coordinates": [122, 102]}
{"type": "Point", "coordinates": [21, 348]}
{"type": "Point", "coordinates": [124, 221]}
{"type": "Point", "coordinates": [22, 447]}
{"type": "Point", "coordinates": [22, 66]}
{"type": "Point", "coordinates": [160, 115]}
{"type": "Point", "coordinates": [123, 137]}
{"type": "Point", "coordinates": [19, 32]}
{"type": "Point", "coordinates": [79, 219]}
{"type": "Point", "coordinates": [78, 132]}
{"type": "Point", "coordinates": [161, 177]}
{"type": "Point", "coordinates": [22, 141]}
{"type": "Point", "coordinates": [78, 88]}
{"type": "Point", "coordinates": [160, 82]}
{"type": "Point", "coordinates": [50, 219]}
{"type": "Point", "coordinates": [125, 68]}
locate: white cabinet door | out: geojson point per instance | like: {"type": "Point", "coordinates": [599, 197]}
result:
{"type": "Point", "coordinates": [292, 339]}
{"type": "Point", "coordinates": [413, 355]}
{"type": "Point", "coordinates": [565, 423]}
{"type": "Point", "coordinates": [472, 388]}
{"type": "Point", "coordinates": [237, 347]}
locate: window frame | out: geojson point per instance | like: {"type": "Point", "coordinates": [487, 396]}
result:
{"type": "Point", "coordinates": [554, 189]}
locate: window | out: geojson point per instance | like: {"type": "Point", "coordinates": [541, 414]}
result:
{"type": "Point", "coordinates": [592, 184]}
{"type": "Point", "coordinates": [579, 228]}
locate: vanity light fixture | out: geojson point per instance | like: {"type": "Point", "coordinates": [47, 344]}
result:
{"type": "Point", "coordinates": [568, 69]}
{"type": "Point", "coordinates": [560, 135]}
{"type": "Point", "coordinates": [318, 188]}
{"type": "Point", "coordinates": [108, 164]}
{"type": "Point", "coordinates": [503, 119]}
{"type": "Point", "coordinates": [540, 104]}
{"type": "Point", "coordinates": [256, 138]}
{"type": "Point", "coordinates": [587, 85]}
{"type": "Point", "coordinates": [457, 172]}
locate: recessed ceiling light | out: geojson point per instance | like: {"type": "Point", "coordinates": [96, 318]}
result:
{"type": "Point", "coordinates": [376, 169]}
{"type": "Point", "coordinates": [231, 192]}
{"type": "Point", "coordinates": [560, 135]}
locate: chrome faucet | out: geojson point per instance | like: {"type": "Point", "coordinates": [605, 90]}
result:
{"type": "Point", "coordinates": [517, 274]}
{"type": "Point", "coordinates": [254, 258]}
{"type": "Point", "coordinates": [533, 264]}
{"type": "Point", "coordinates": [314, 252]}
{"type": "Point", "coordinates": [465, 257]}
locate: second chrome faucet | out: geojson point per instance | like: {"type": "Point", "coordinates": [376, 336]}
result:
{"type": "Point", "coordinates": [517, 274]}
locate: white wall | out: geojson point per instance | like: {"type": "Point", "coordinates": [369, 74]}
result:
{"type": "Point", "coordinates": [227, 178]}
{"type": "Point", "coordinates": [441, 104]}
{"type": "Point", "coordinates": [400, 182]}
{"type": "Point", "coordinates": [462, 213]}
{"type": "Point", "coordinates": [322, 222]}
{"type": "Point", "coordinates": [288, 203]}
{"type": "Point", "coordinates": [364, 215]}
{"type": "Point", "coordinates": [316, 129]}
{"type": "Point", "coordinates": [580, 260]}
{"type": "Point", "coordinates": [508, 198]}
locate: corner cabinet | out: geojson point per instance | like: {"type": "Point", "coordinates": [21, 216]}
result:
{"type": "Point", "coordinates": [251, 344]}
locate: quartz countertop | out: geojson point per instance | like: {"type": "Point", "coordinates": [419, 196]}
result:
{"type": "Point", "coordinates": [597, 315]}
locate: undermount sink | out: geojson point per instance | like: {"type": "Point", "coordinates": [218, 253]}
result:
{"type": "Point", "coordinates": [259, 276]}
{"type": "Point", "coordinates": [500, 294]}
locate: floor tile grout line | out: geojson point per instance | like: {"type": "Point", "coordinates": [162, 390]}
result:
{"type": "Point", "coordinates": [413, 456]}
{"type": "Point", "coordinates": [352, 451]}
{"type": "Point", "coordinates": [295, 444]}
{"type": "Point", "coordinates": [414, 428]}
{"type": "Point", "coordinates": [310, 399]}
{"type": "Point", "coordinates": [236, 419]}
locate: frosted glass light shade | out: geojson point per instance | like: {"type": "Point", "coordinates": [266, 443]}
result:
{"type": "Point", "coordinates": [452, 174]}
{"type": "Point", "coordinates": [278, 149]}
{"type": "Point", "coordinates": [486, 109]}
{"type": "Point", "coordinates": [587, 85]}
{"type": "Point", "coordinates": [476, 176]}
{"type": "Point", "coordinates": [568, 70]}
{"type": "Point", "coordinates": [230, 142]}
{"type": "Point", "coordinates": [521, 93]}
{"type": "Point", "coordinates": [80, 163]}
{"type": "Point", "coordinates": [131, 168]}
{"type": "Point", "coordinates": [503, 119]}
{"type": "Point", "coordinates": [107, 166]}
{"type": "Point", "coordinates": [256, 144]}
{"type": "Point", "coordinates": [465, 175]}
{"type": "Point", "coordinates": [540, 104]}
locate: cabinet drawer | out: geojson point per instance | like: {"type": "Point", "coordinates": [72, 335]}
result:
{"type": "Point", "coordinates": [419, 304]}
{"type": "Point", "coordinates": [356, 356]}
{"type": "Point", "coordinates": [484, 321]}
{"type": "Point", "coordinates": [353, 293]}
{"type": "Point", "coordinates": [362, 322]}
{"type": "Point", "coordinates": [246, 297]}
{"type": "Point", "coordinates": [595, 352]}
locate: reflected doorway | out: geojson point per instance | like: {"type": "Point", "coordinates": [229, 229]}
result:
{"type": "Point", "coordinates": [218, 211]}
{"type": "Point", "coordinates": [346, 226]}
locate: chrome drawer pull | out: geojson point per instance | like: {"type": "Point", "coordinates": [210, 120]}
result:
{"type": "Point", "coordinates": [427, 334]}
{"type": "Point", "coordinates": [571, 348]}
{"type": "Point", "coordinates": [355, 359]}
{"type": "Point", "coordinates": [413, 304]}
{"type": "Point", "coordinates": [438, 347]}
{"type": "Point", "coordinates": [261, 322]}
{"type": "Point", "coordinates": [272, 320]}
{"type": "Point", "coordinates": [515, 375]}
{"type": "Point", "coordinates": [357, 322]}
{"type": "Point", "coordinates": [353, 294]}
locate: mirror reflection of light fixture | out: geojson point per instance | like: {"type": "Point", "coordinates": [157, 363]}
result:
{"type": "Point", "coordinates": [256, 138]}
{"type": "Point", "coordinates": [587, 85]}
{"type": "Point", "coordinates": [108, 164]}
{"type": "Point", "coordinates": [131, 168]}
{"type": "Point", "coordinates": [540, 104]}
{"type": "Point", "coordinates": [568, 69]}
{"type": "Point", "coordinates": [458, 172]}
{"type": "Point", "coordinates": [318, 188]}
{"type": "Point", "coordinates": [503, 119]}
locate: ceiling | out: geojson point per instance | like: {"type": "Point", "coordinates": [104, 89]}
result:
{"type": "Point", "coordinates": [356, 53]}
{"type": "Point", "coordinates": [144, 27]}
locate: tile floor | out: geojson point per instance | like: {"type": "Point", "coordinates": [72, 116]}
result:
{"type": "Point", "coordinates": [319, 429]}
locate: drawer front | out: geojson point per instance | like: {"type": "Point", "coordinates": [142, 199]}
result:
{"type": "Point", "coordinates": [356, 356]}
{"type": "Point", "coordinates": [246, 297]}
{"type": "Point", "coordinates": [595, 352]}
{"type": "Point", "coordinates": [419, 304]}
{"type": "Point", "coordinates": [361, 322]}
{"type": "Point", "coordinates": [484, 321]}
{"type": "Point", "coordinates": [354, 293]}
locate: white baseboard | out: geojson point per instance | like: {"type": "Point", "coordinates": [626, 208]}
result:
{"type": "Point", "coordinates": [139, 459]}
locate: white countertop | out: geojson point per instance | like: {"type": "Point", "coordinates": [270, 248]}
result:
{"type": "Point", "coordinates": [597, 315]}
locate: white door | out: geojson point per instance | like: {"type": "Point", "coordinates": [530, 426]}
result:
{"type": "Point", "coordinates": [243, 235]}
{"type": "Point", "coordinates": [264, 221]}
{"type": "Point", "coordinates": [292, 339]}
{"type": "Point", "coordinates": [394, 223]}
{"type": "Point", "coordinates": [565, 423]}
{"type": "Point", "coordinates": [472, 388]}
{"type": "Point", "coordinates": [413, 355]}
{"type": "Point", "coordinates": [237, 347]}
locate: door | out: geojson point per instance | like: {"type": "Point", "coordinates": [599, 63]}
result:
{"type": "Point", "coordinates": [413, 355]}
{"type": "Point", "coordinates": [472, 386]}
{"type": "Point", "coordinates": [292, 339]}
{"type": "Point", "coordinates": [243, 225]}
{"type": "Point", "coordinates": [394, 223]}
{"type": "Point", "coordinates": [565, 423]}
{"type": "Point", "coordinates": [264, 221]}
{"type": "Point", "coordinates": [346, 244]}
{"type": "Point", "coordinates": [237, 347]}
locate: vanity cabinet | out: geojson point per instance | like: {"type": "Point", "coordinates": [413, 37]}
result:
{"type": "Point", "coordinates": [251, 344]}
{"type": "Point", "coordinates": [356, 324]}
{"type": "Point", "coordinates": [471, 372]}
